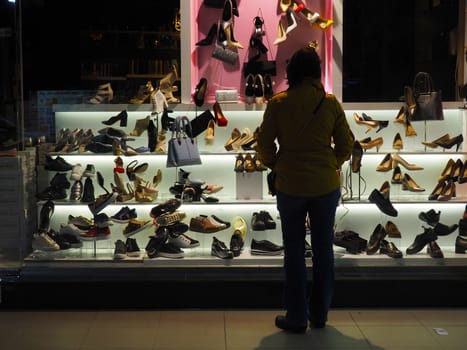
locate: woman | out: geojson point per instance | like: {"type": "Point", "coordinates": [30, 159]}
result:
{"type": "Point", "coordinates": [305, 138]}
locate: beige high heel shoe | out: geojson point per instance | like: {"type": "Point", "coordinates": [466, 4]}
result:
{"type": "Point", "coordinates": [370, 124]}
{"type": "Point", "coordinates": [209, 135]}
{"type": "Point", "coordinates": [368, 144]}
{"type": "Point", "coordinates": [385, 164]}
{"type": "Point", "coordinates": [408, 184]}
{"type": "Point", "coordinates": [397, 142]}
{"type": "Point", "coordinates": [396, 159]}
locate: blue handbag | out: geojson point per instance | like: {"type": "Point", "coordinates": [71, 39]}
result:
{"type": "Point", "coordinates": [182, 149]}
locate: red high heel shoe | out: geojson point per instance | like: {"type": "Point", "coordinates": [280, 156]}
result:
{"type": "Point", "coordinates": [218, 115]}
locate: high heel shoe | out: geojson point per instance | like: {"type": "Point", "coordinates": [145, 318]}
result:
{"type": "Point", "coordinates": [457, 140]}
{"type": "Point", "coordinates": [381, 123]}
{"type": "Point", "coordinates": [369, 123]}
{"type": "Point", "coordinates": [463, 174]}
{"type": "Point", "coordinates": [396, 159]}
{"type": "Point", "coordinates": [385, 164]}
{"type": "Point", "coordinates": [291, 21]}
{"type": "Point", "coordinates": [236, 134]}
{"type": "Point", "coordinates": [200, 91]}
{"type": "Point", "coordinates": [104, 94]}
{"type": "Point", "coordinates": [227, 25]}
{"type": "Point", "coordinates": [218, 115]}
{"type": "Point", "coordinates": [397, 142]}
{"type": "Point", "coordinates": [285, 4]}
{"type": "Point", "coordinates": [143, 94]}
{"type": "Point", "coordinates": [448, 171]}
{"type": "Point", "coordinates": [122, 117]}
{"type": "Point", "coordinates": [408, 184]}
{"type": "Point", "coordinates": [437, 191]}
{"type": "Point", "coordinates": [368, 143]}
{"type": "Point", "coordinates": [281, 34]}
{"type": "Point", "coordinates": [433, 144]}
{"type": "Point", "coordinates": [409, 129]}
{"type": "Point", "coordinates": [141, 126]}
{"type": "Point", "coordinates": [448, 191]}
{"type": "Point", "coordinates": [209, 135]}
{"type": "Point", "coordinates": [209, 38]}
{"type": "Point", "coordinates": [400, 118]}
{"type": "Point", "coordinates": [313, 17]}
{"type": "Point", "coordinates": [396, 176]}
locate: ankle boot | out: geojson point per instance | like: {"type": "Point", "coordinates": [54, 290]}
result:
{"type": "Point", "coordinates": [47, 211]}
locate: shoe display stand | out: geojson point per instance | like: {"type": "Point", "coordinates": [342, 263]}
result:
{"type": "Point", "coordinates": [198, 267]}
{"type": "Point", "coordinates": [240, 194]}
{"type": "Point", "coordinates": [217, 168]}
{"type": "Point", "coordinates": [358, 214]}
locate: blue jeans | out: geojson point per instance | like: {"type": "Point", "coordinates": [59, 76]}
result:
{"type": "Point", "coordinates": [321, 211]}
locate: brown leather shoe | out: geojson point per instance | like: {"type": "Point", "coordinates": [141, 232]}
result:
{"type": "Point", "coordinates": [434, 250]}
{"type": "Point", "coordinates": [204, 225]}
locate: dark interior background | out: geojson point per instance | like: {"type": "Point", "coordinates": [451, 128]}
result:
{"type": "Point", "coordinates": [385, 42]}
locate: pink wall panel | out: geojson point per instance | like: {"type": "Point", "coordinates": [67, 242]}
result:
{"type": "Point", "coordinates": [221, 75]}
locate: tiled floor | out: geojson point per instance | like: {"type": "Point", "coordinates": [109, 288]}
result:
{"type": "Point", "coordinates": [356, 329]}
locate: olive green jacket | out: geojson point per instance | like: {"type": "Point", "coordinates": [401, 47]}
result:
{"type": "Point", "coordinates": [306, 154]}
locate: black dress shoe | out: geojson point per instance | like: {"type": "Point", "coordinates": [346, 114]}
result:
{"type": "Point", "coordinates": [431, 217]}
{"type": "Point", "coordinates": [382, 202]}
{"type": "Point", "coordinates": [422, 240]}
{"type": "Point", "coordinates": [351, 241]}
{"type": "Point", "coordinates": [444, 230]}
{"type": "Point", "coordinates": [375, 239]}
{"type": "Point", "coordinates": [390, 249]}
{"type": "Point", "coordinates": [283, 323]}
{"type": "Point", "coordinates": [434, 250]}
{"type": "Point", "coordinates": [219, 249]}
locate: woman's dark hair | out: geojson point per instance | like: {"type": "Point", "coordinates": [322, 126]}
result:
{"type": "Point", "coordinates": [305, 62]}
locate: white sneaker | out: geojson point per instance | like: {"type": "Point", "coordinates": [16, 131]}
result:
{"type": "Point", "coordinates": [71, 229]}
{"type": "Point", "coordinates": [42, 241]}
{"type": "Point", "coordinates": [76, 172]}
{"type": "Point", "coordinates": [183, 241]}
